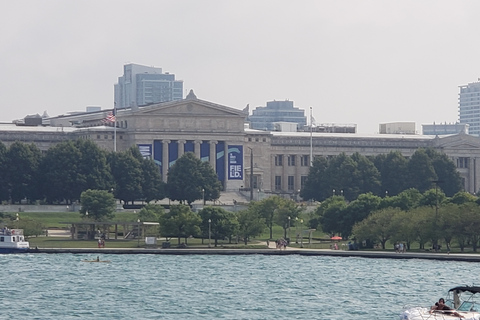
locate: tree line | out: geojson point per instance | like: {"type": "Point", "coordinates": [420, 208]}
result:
{"type": "Point", "coordinates": [385, 174]}
{"type": "Point", "coordinates": [63, 172]}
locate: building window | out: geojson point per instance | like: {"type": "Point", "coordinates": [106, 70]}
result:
{"type": "Point", "coordinates": [279, 160]}
{"type": "Point", "coordinates": [304, 161]}
{"type": "Point", "coordinates": [264, 139]}
{"type": "Point", "coordinates": [303, 180]}
{"type": "Point", "coordinates": [105, 137]}
{"type": "Point", "coordinates": [462, 162]}
{"type": "Point", "coordinates": [291, 160]}
{"type": "Point", "coordinates": [98, 136]}
{"type": "Point", "coordinates": [278, 183]}
{"type": "Point", "coordinates": [291, 183]}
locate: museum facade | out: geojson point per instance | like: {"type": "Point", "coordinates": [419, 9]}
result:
{"type": "Point", "coordinates": [267, 161]}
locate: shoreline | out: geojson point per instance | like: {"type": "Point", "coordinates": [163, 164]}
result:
{"type": "Point", "coordinates": [275, 252]}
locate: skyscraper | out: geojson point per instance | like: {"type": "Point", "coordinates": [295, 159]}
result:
{"type": "Point", "coordinates": [469, 106]}
{"type": "Point", "coordinates": [142, 85]}
{"type": "Point", "coordinates": [263, 118]}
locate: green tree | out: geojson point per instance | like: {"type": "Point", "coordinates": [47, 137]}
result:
{"type": "Point", "coordinates": [462, 197]}
{"type": "Point", "coordinates": [421, 172]}
{"type": "Point", "coordinates": [99, 204]}
{"type": "Point", "coordinates": [432, 198]}
{"type": "Point", "coordinates": [393, 169]}
{"type": "Point", "coordinates": [211, 185]}
{"type": "Point", "coordinates": [190, 180]}
{"type": "Point", "coordinates": [342, 173]}
{"type": "Point", "coordinates": [180, 222]}
{"type": "Point", "coordinates": [127, 173]}
{"type": "Point", "coordinates": [446, 171]}
{"type": "Point", "coordinates": [377, 226]}
{"type": "Point", "coordinates": [330, 215]}
{"type": "Point", "coordinates": [223, 224]}
{"type": "Point", "coordinates": [152, 185]}
{"type": "Point", "coordinates": [424, 225]}
{"type": "Point", "coordinates": [251, 224]}
{"type": "Point", "coordinates": [31, 227]}
{"type": "Point", "coordinates": [286, 211]}
{"type": "Point", "coordinates": [405, 200]}
{"type": "Point", "coordinates": [316, 185]}
{"type": "Point", "coordinates": [22, 171]}
{"type": "Point", "coordinates": [356, 211]}
{"type": "Point", "coordinates": [266, 209]}
{"type": "Point", "coordinates": [4, 182]}
{"type": "Point", "coordinates": [368, 177]}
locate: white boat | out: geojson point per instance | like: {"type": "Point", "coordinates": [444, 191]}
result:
{"type": "Point", "coordinates": [13, 241]}
{"type": "Point", "coordinates": [460, 299]}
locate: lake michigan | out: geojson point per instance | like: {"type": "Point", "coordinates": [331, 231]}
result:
{"type": "Point", "coordinates": [61, 286]}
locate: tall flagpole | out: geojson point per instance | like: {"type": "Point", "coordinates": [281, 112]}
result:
{"type": "Point", "coordinates": [311, 138]}
{"type": "Point", "coordinates": [115, 127]}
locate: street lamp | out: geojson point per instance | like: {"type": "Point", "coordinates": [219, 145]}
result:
{"type": "Point", "coordinates": [341, 192]}
{"type": "Point", "coordinates": [203, 196]}
{"type": "Point", "coordinates": [17, 217]}
{"type": "Point", "coordinates": [138, 232]}
{"type": "Point", "coordinates": [333, 192]}
{"type": "Point", "coordinates": [288, 227]}
{"type": "Point", "coordinates": [386, 193]}
{"type": "Point", "coordinates": [209, 232]}
{"type": "Point", "coordinates": [301, 232]}
{"type": "Point", "coordinates": [296, 229]}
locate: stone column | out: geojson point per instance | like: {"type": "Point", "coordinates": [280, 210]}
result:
{"type": "Point", "coordinates": [213, 154]}
{"type": "Point", "coordinates": [165, 159]}
{"type": "Point", "coordinates": [181, 147]}
{"type": "Point", "coordinates": [197, 148]}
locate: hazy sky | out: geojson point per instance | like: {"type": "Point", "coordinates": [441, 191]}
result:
{"type": "Point", "coordinates": [353, 61]}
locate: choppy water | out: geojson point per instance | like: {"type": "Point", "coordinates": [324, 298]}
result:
{"type": "Point", "coordinates": [60, 286]}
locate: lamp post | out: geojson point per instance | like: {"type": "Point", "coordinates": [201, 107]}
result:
{"type": "Point", "coordinates": [288, 227]}
{"type": "Point", "coordinates": [333, 192]}
{"type": "Point", "coordinates": [203, 196]}
{"type": "Point", "coordinates": [17, 217]}
{"type": "Point", "coordinates": [296, 229]}
{"type": "Point", "coordinates": [386, 193]}
{"type": "Point", "coordinates": [138, 232]}
{"type": "Point", "coordinates": [341, 192]}
{"type": "Point", "coordinates": [209, 232]}
{"type": "Point", "coordinates": [251, 173]}
{"type": "Point", "coordinates": [301, 233]}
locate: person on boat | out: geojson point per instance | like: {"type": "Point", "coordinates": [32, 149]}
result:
{"type": "Point", "coordinates": [98, 259]}
{"type": "Point", "coordinates": [440, 306]}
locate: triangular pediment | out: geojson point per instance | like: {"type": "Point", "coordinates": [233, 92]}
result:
{"type": "Point", "coordinates": [189, 107]}
{"type": "Point", "coordinates": [459, 141]}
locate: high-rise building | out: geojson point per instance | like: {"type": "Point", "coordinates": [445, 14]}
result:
{"type": "Point", "coordinates": [469, 106]}
{"type": "Point", "coordinates": [263, 118]}
{"type": "Point", "coordinates": [142, 85]}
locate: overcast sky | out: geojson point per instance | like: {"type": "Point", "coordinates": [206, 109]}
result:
{"type": "Point", "coordinates": [352, 61]}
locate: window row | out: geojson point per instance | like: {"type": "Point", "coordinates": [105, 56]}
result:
{"type": "Point", "coordinates": [292, 160]}
{"type": "Point", "coordinates": [290, 183]}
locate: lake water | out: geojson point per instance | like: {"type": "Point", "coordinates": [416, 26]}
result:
{"type": "Point", "coordinates": [61, 286]}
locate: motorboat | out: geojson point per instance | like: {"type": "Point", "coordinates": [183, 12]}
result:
{"type": "Point", "coordinates": [13, 241]}
{"type": "Point", "coordinates": [460, 299]}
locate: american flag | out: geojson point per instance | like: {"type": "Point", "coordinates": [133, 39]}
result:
{"type": "Point", "coordinates": [110, 118]}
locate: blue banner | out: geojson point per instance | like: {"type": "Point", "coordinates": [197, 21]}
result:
{"type": "Point", "coordinates": [235, 162]}
{"type": "Point", "coordinates": [158, 153]}
{"type": "Point", "coordinates": [145, 150]}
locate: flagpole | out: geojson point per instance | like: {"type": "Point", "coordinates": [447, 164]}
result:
{"type": "Point", "coordinates": [311, 138]}
{"type": "Point", "coordinates": [114, 128]}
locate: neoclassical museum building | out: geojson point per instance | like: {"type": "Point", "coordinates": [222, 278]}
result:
{"type": "Point", "coordinates": [279, 161]}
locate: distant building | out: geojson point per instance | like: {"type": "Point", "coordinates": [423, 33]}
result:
{"type": "Point", "coordinates": [263, 118]}
{"type": "Point", "coordinates": [397, 128]}
{"type": "Point", "coordinates": [445, 128]}
{"type": "Point", "coordinates": [142, 85]}
{"type": "Point", "coordinates": [332, 128]}
{"type": "Point", "coordinates": [469, 106]}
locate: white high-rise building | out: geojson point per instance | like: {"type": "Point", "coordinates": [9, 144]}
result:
{"type": "Point", "coordinates": [142, 85]}
{"type": "Point", "coordinates": [469, 107]}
